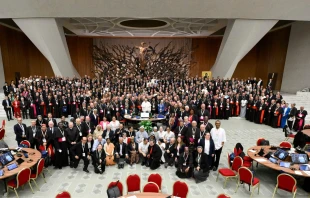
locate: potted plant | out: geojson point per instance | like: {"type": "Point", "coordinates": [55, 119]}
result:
{"type": "Point", "coordinates": [147, 125]}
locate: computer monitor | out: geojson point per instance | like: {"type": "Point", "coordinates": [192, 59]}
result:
{"type": "Point", "coordinates": [145, 115]}
{"type": "Point", "coordinates": [6, 158]}
{"type": "Point", "coordinates": [300, 158]}
{"type": "Point", "coordinates": [281, 154]}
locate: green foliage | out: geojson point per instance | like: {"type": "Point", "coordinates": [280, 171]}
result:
{"type": "Point", "coordinates": [147, 125]}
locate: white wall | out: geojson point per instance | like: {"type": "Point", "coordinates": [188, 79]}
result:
{"type": "Point", "coordinates": [296, 74]}
{"type": "Point", "coordinates": [2, 80]}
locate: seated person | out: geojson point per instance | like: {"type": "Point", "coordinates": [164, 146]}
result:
{"type": "Point", "coordinates": [154, 155]}
{"type": "Point", "coordinates": [169, 153]}
{"type": "Point", "coordinates": [140, 135]}
{"type": "Point", "coordinates": [99, 157]}
{"type": "Point", "coordinates": [143, 149]}
{"type": "Point", "coordinates": [238, 151]}
{"type": "Point", "coordinates": [81, 151]}
{"type": "Point", "coordinates": [133, 151]}
{"type": "Point", "coordinates": [120, 150]}
{"type": "Point", "coordinates": [201, 170]}
{"type": "Point", "coordinates": [162, 146]}
{"type": "Point", "coordinates": [109, 151]}
{"type": "Point", "coordinates": [179, 148]}
{"type": "Point", "coordinates": [185, 164]}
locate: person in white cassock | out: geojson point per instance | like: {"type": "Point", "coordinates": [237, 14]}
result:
{"type": "Point", "coordinates": [146, 106]}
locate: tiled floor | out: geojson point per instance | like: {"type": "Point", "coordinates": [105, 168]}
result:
{"type": "Point", "coordinates": [80, 184]}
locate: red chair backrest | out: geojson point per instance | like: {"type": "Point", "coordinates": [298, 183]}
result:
{"type": "Point", "coordinates": [245, 175]}
{"type": "Point", "coordinates": [40, 166]}
{"type": "Point", "coordinates": [63, 194]}
{"type": "Point", "coordinates": [285, 144]}
{"type": "Point", "coordinates": [2, 134]}
{"type": "Point", "coordinates": [156, 178]}
{"type": "Point", "coordinates": [3, 124]}
{"type": "Point", "coordinates": [228, 160]}
{"type": "Point", "coordinates": [237, 163]}
{"type": "Point", "coordinates": [119, 185]}
{"type": "Point", "coordinates": [23, 177]}
{"type": "Point", "coordinates": [259, 141]}
{"type": "Point", "coordinates": [223, 196]}
{"type": "Point", "coordinates": [180, 189]}
{"type": "Point", "coordinates": [26, 142]}
{"type": "Point", "coordinates": [133, 183]}
{"type": "Point", "coordinates": [286, 182]}
{"type": "Point", "coordinates": [151, 187]}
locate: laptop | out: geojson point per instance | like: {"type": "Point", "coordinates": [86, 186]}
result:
{"type": "Point", "coordinates": [285, 164]}
{"type": "Point", "coordinates": [273, 160]}
{"type": "Point", "coordinates": [304, 167]}
{"type": "Point", "coordinates": [281, 154]}
{"type": "Point", "coordinates": [300, 158]}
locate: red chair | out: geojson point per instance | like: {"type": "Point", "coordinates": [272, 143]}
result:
{"type": "Point", "coordinates": [286, 182]}
{"type": "Point", "coordinates": [39, 171]}
{"type": "Point", "coordinates": [21, 179]}
{"type": "Point", "coordinates": [3, 124]}
{"type": "Point", "coordinates": [26, 142]}
{"type": "Point", "coordinates": [151, 187]}
{"type": "Point", "coordinates": [63, 194]}
{"type": "Point", "coordinates": [2, 133]}
{"type": "Point", "coordinates": [119, 185]}
{"type": "Point", "coordinates": [232, 172]}
{"type": "Point", "coordinates": [285, 144]}
{"type": "Point", "coordinates": [247, 162]}
{"type": "Point", "coordinates": [246, 177]}
{"type": "Point", "coordinates": [156, 178]}
{"type": "Point", "coordinates": [133, 183]}
{"type": "Point", "coordinates": [180, 189]}
{"type": "Point", "coordinates": [223, 196]}
{"type": "Point", "coordinates": [258, 142]}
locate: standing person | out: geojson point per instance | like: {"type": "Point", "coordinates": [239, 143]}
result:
{"type": "Point", "coordinates": [286, 113]}
{"type": "Point", "coordinates": [219, 137]}
{"type": "Point", "coordinates": [243, 107]}
{"type": "Point", "coordinates": [154, 155]}
{"type": "Point", "coordinates": [16, 107]}
{"type": "Point", "coordinates": [208, 147]}
{"type": "Point", "coordinates": [20, 131]}
{"type": "Point", "coordinates": [32, 135]}
{"type": "Point", "coordinates": [24, 108]}
{"type": "Point", "coordinates": [300, 119]}
{"type": "Point", "coordinates": [6, 103]}
{"type": "Point", "coordinates": [292, 115]}
{"type": "Point", "coordinates": [276, 122]}
{"type": "Point", "coordinates": [72, 136]}
{"type": "Point", "coordinates": [61, 148]}
{"type": "Point", "coordinates": [80, 151]}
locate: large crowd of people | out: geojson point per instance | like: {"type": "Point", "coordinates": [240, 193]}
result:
{"type": "Point", "coordinates": [97, 107]}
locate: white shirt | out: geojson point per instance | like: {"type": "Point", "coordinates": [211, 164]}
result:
{"type": "Point", "coordinates": [144, 147]}
{"type": "Point", "coordinates": [169, 135]}
{"type": "Point", "coordinates": [114, 125]}
{"type": "Point", "coordinates": [161, 134]}
{"type": "Point", "coordinates": [146, 106]}
{"type": "Point", "coordinates": [207, 146]}
{"type": "Point", "coordinates": [219, 136]}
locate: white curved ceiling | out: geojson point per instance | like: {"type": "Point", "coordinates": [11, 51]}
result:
{"type": "Point", "coordinates": [176, 27]}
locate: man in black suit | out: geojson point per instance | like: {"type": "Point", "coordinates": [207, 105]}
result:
{"type": "Point", "coordinates": [94, 117]}
{"type": "Point", "coordinates": [6, 103]}
{"type": "Point", "coordinates": [51, 130]}
{"type": "Point", "coordinates": [119, 132]}
{"type": "Point", "coordinates": [50, 118]}
{"type": "Point", "coordinates": [6, 89]}
{"type": "Point", "coordinates": [99, 159]}
{"type": "Point", "coordinates": [32, 135]}
{"type": "Point", "coordinates": [193, 132]}
{"type": "Point", "coordinates": [20, 131]}
{"type": "Point", "coordinates": [202, 113]}
{"type": "Point", "coordinates": [120, 150]}
{"type": "Point", "coordinates": [80, 151]}
{"type": "Point", "coordinates": [169, 153]}
{"type": "Point", "coordinates": [108, 133]}
{"type": "Point", "coordinates": [292, 116]}
{"type": "Point", "coordinates": [154, 155]}
{"type": "Point", "coordinates": [208, 147]}
{"type": "Point", "coordinates": [87, 126]}
{"type": "Point", "coordinates": [24, 107]}
{"type": "Point", "coordinates": [72, 136]}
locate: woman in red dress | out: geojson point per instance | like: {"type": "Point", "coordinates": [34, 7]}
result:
{"type": "Point", "coordinates": [16, 107]}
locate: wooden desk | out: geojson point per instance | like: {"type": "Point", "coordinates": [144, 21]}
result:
{"type": "Point", "coordinates": [307, 132]}
{"type": "Point", "coordinates": [146, 195]}
{"type": "Point", "coordinates": [271, 165]}
{"type": "Point", "coordinates": [35, 157]}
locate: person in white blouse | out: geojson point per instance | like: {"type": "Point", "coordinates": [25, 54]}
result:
{"type": "Point", "coordinates": [161, 133]}
{"type": "Point", "coordinates": [162, 146]}
{"type": "Point", "coordinates": [168, 135]}
{"type": "Point", "coordinates": [218, 135]}
{"type": "Point", "coordinates": [114, 124]}
{"type": "Point", "coordinates": [146, 106]}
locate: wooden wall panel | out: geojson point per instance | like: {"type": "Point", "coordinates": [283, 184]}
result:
{"type": "Point", "coordinates": [80, 49]}
{"type": "Point", "coordinates": [204, 54]}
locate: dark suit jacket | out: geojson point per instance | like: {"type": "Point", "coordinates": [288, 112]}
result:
{"type": "Point", "coordinates": [293, 112]}
{"type": "Point", "coordinates": [29, 133]}
{"type": "Point", "coordinates": [156, 152]}
{"type": "Point", "coordinates": [71, 135]}
{"type": "Point", "coordinates": [86, 127]}
{"type": "Point", "coordinates": [130, 148]}
{"type": "Point", "coordinates": [19, 131]}
{"type": "Point", "coordinates": [111, 134]}
{"type": "Point", "coordinates": [78, 150]}
{"type": "Point", "coordinates": [4, 104]}
{"type": "Point", "coordinates": [203, 162]}
{"type": "Point", "coordinates": [118, 148]}
{"type": "Point", "coordinates": [170, 148]}
{"type": "Point", "coordinates": [94, 120]}
{"type": "Point", "coordinates": [54, 121]}
{"type": "Point", "coordinates": [96, 156]}
{"type": "Point", "coordinates": [211, 148]}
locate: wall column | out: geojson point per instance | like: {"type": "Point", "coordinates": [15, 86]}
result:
{"type": "Point", "coordinates": [48, 36]}
{"type": "Point", "coordinates": [240, 37]}
{"type": "Point", "coordinates": [2, 78]}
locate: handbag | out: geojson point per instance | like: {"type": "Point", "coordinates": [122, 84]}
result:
{"type": "Point", "coordinates": [114, 191]}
